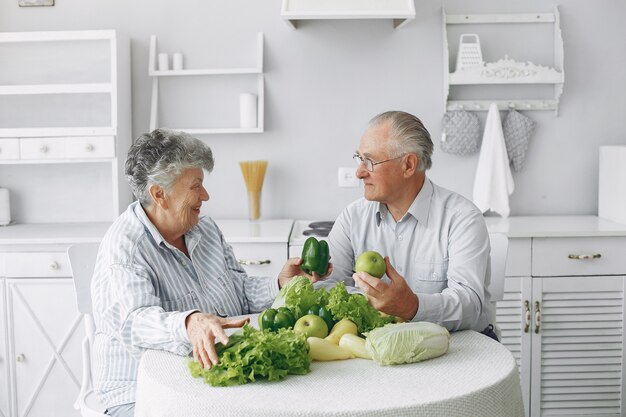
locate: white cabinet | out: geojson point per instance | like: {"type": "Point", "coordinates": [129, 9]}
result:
{"type": "Point", "coordinates": [64, 111]}
{"type": "Point", "coordinates": [40, 328]}
{"type": "Point", "coordinates": [562, 317]}
{"type": "Point", "coordinates": [44, 347]}
{"type": "Point", "coordinates": [261, 247]}
{"type": "Point", "coordinates": [4, 365]}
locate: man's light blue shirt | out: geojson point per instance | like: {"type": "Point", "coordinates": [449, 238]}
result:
{"type": "Point", "coordinates": [440, 246]}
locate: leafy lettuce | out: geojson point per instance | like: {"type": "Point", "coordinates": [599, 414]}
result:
{"type": "Point", "coordinates": [299, 296]}
{"type": "Point", "coordinates": [356, 308]}
{"type": "Point", "coordinates": [252, 354]}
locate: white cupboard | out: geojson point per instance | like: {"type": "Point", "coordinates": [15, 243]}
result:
{"type": "Point", "coordinates": [562, 317]}
{"type": "Point", "coordinates": [4, 366]}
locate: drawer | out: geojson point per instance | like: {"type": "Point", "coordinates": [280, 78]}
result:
{"type": "Point", "coordinates": [10, 148]}
{"type": "Point", "coordinates": [255, 256]}
{"type": "Point", "coordinates": [90, 147]}
{"type": "Point", "coordinates": [42, 148]}
{"type": "Point", "coordinates": [518, 258]}
{"type": "Point", "coordinates": [37, 264]}
{"type": "Point", "coordinates": [553, 256]}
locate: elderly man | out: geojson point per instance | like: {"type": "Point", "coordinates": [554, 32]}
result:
{"type": "Point", "coordinates": [435, 242]}
{"type": "Point", "coordinates": [164, 277]}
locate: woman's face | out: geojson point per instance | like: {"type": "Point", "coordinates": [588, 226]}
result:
{"type": "Point", "coordinates": [185, 198]}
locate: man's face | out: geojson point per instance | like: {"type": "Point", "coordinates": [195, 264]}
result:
{"type": "Point", "coordinates": [382, 183]}
{"type": "Point", "coordinates": [186, 197]}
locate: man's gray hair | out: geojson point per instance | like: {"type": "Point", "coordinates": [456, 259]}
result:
{"type": "Point", "coordinates": [160, 156]}
{"type": "Point", "coordinates": [409, 134]}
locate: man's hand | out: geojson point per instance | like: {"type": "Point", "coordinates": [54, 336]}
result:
{"type": "Point", "coordinates": [204, 331]}
{"type": "Point", "coordinates": [395, 298]}
{"type": "Point", "coordinates": [292, 268]}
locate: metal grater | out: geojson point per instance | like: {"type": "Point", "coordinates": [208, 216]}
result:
{"type": "Point", "coordinates": [469, 54]}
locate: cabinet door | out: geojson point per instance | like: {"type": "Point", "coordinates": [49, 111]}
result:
{"type": "Point", "coordinates": [577, 351]}
{"type": "Point", "coordinates": [45, 333]}
{"type": "Point", "coordinates": [261, 259]}
{"type": "Point", "coordinates": [4, 368]}
{"type": "Point", "coordinates": [513, 318]}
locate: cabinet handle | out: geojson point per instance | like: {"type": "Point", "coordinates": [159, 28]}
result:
{"type": "Point", "coordinates": [585, 256]}
{"type": "Point", "coordinates": [20, 358]}
{"type": "Point", "coordinates": [44, 149]}
{"type": "Point", "coordinates": [253, 262]}
{"type": "Point", "coordinates": [89, 147]}
{"type": "Point", "coordinates": [526, 316]}
{"type": "Point", "coordinates": [54, 265]}
{"type": "Point", "coordinates": [537, 317]}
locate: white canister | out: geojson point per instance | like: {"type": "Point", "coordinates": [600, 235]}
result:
{"type": "Point", "coordinates": [5, 207]}
{"type": "Point", "coordinates": [247, 110]}
{"type": "Point", "coordinates": [177, 61]}
{"type": "Point", "coordinates": [164, 63]}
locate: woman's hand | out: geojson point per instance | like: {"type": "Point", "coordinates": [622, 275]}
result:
{"type": "Point", "coordinates": [204, 331]}
{"type": "Point", "coordinates": [292, 268]}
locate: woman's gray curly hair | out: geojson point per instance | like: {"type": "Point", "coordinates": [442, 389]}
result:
{"type": "Point", "coordinates": [160, 156]}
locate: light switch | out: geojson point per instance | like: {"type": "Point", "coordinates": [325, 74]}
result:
{"type": "Point", "coordinates": [346, 177]}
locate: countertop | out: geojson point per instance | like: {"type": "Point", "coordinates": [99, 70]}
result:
{"type": "Point", "coordinates": [272, 231]}
{"type": "Point", "coordinates": [554, 226]}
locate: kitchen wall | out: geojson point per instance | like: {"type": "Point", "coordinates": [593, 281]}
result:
{"type": "Point", "coordinates": [325, 80]}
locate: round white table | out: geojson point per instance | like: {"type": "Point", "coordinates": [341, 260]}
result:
{"type": "Point", "coordinates": [477, 377]}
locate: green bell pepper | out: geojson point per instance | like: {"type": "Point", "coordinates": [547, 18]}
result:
{"type": "Point", "coordinates": [315, 256]}
{"type": "Point", "coordinates": [324, 313]}
{"type": "Point", "coordinates": [276, 318]}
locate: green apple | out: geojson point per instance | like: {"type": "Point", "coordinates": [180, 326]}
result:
{"type": "Point", "coordinates": [311, 326]}
{"type": "Point", "coordinates": [371, 262]}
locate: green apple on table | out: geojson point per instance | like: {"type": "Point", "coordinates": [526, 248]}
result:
{"type": "Point", "coordinates": [311, 325]}
{"type": "Point", "coordinates": [371, 262]}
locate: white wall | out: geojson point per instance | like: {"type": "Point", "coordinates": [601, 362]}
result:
{"type": "Point", "coordinates": [326, 79]}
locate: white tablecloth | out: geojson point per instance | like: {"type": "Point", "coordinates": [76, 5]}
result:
{"type": "Point", "coordinates": [477, 377]}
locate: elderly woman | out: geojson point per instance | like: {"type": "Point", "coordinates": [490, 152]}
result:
{"type": "Point", "coordinates": [165, 278]}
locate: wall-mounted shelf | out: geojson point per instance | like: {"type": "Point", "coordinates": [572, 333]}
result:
{"type": "Point", "coordinates": [505, 71]}
{"type": "Point", "coordinates": [65, 103]}
{"type": "Point", "coordinates": [157, 74]}
{"type": "Point", "coordinates": [400, 11]}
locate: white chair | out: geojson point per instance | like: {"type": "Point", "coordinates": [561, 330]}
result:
{"type": "Point", "coordinates": [82, 261]}
{"type": "Point", "coordinates": [499, 249]}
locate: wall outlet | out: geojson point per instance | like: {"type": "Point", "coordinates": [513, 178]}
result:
{"type": "Point", "coordinates": [346, 177]}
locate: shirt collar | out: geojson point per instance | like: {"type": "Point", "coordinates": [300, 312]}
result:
{"type": "Point", "coordinates": [420, 208]}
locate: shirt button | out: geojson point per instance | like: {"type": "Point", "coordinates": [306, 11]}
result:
{"type": "Point", "coordinates": [400, 237]}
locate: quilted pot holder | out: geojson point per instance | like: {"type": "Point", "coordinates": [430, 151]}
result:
{"type": "Point", "coordinates": [517, 130]}
{"type": "Point", "coordinates": [460, 133]}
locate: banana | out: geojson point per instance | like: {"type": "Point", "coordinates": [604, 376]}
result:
{"type": "Point", "coordinates": [354, 344]}
{"type": "Point", "coordinates": [343, 326]}
{"type": "Point", "coordinates": [324, 350]}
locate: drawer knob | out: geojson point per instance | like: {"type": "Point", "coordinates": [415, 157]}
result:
{"type": "Point", "coordinates": [43, 149]}
{"type": "Point", "coordinates": [54, 265]}
{"type": "Point", "coordinates": [20, 358]}
{"type": "Point", "coordinates": [585, 256]}
{"type": "Point", "coordinates": [89, 147]}
{"type": "Point", "coordinates": [253, 262]}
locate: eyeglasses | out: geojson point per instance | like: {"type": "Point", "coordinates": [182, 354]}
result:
{"type": "Point", "coordinates": [369, 164]}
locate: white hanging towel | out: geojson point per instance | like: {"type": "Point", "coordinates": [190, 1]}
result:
{"type": "Point", "coordinates": [493, 183]}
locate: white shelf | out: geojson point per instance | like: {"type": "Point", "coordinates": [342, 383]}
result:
{"type": "Point", "coordinates": [93, 64]}
{"type": "Point", "coordinates": [37, 132]}
{"type": "Point", "coordinates": [257, 70]}
{"type": "Point", "coordinates": [224, 71]}
{"type": "Point", "coordinates": [55, 161]}
{"type": "Point", "coordinates": [55, 89]}
{"type": "Point", "coordinates": [52, 233]}
{"type": "Point", "coordinates": [505, 71]}
{"type": "Point", "coordinates": [400, 11]}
